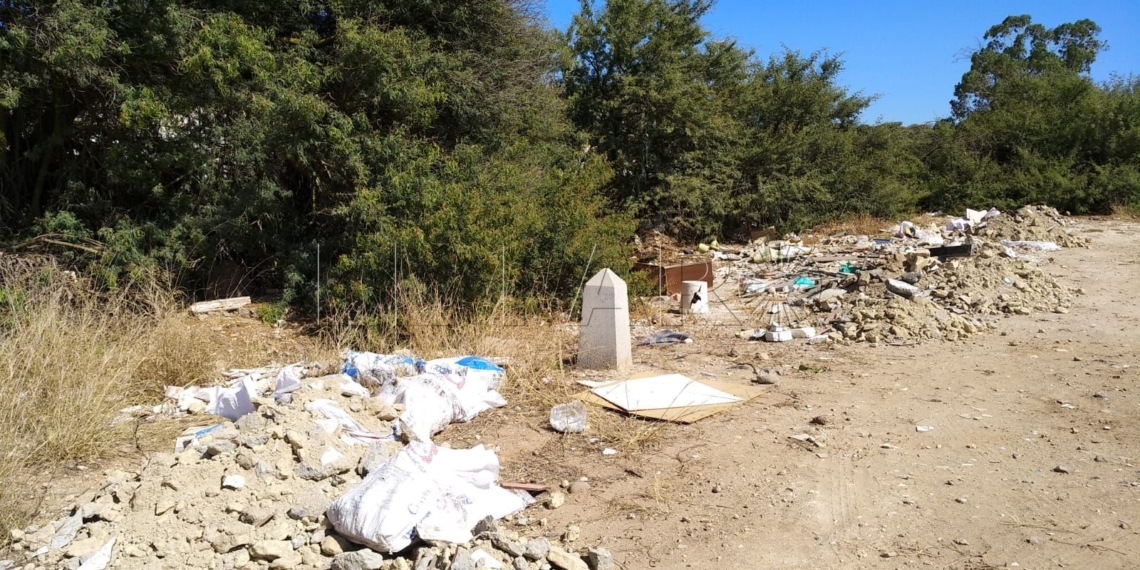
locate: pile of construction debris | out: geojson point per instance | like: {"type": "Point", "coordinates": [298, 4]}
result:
{"type": "Point", "coordinates": [266, 489]}
{"type": "Point", "coordinates": [940, 282]}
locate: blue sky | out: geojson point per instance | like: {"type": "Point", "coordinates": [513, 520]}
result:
{"type": "Point", "coordinates": [911, 53]}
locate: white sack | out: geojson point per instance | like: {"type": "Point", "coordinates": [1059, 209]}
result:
{"type": "Point", "coordinates": [432, 401]}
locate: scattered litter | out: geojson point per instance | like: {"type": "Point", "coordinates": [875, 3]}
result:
{"type": "Point", "coordinates": [667, 337]}
{"type": "Point", "coordinates": [373, 369]}
{"type": "Point", "coordinates": [609, 451]}
{"type": "Point", "coordinates": [902, 288]}
{"type": "Point", "coordinates": [335, 417]}
{"type": "Point", "coordinates": [288, 381]}
{"type": "Point", "coordinates": [235, 482]}
{"type": "Point", "coordinates": [424, 492]}
{"type": "Point", "coordinates": [923, 429]}
{"type": "Point", "coordinates": [433, 401]}
{"type": "Point", "coordinates": [568, 418]}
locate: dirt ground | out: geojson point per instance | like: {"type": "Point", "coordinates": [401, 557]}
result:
{"type": "Point", "coordinates": [1031, 461]}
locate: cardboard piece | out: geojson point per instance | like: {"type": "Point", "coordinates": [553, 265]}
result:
{"type": "Point", "coordinates": [686, 414]}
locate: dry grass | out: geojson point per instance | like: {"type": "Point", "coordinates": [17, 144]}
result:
{"type": "Point", "coordinates": [73, 359]}
{"type": "Point", "coordinates": [862, 224]}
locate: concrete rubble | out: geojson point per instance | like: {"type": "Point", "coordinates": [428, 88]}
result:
{"type": "Point", "coordinates": [252, 494]}
{"type": "Point", "coordinates": [857, 288]}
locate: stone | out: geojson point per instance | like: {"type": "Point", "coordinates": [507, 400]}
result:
{"type": "Point", "coordinates": [234, 482]}
{"type": "Point", "coordinates": [573, 533]}
{"type": "Point", "coordinates": [1061, 469]}
{"type": "Point", "coordinates": [462, 560]}
{"type": "Point", "coordinates": [1100, 459]}
{"type": "Point", "coordinates": [310, 472]}
{"type": "Point", "coordinates": [559, 558]}
{"type": "Point", "coordinates": [163, 505]}
{"type": "Point", "coordinates": [255, 516]}
{"type": "Point", "coordinates": [311, 504]}
{"type": "Point", "coordinates": [557, 499]}
{"type": "Point", "coordinates": [332, 545]}
{"type": "Point", "coordinates": [599, 558]}
{"type": "Point", "coordinates": [358, 560]}
{"type": "Point", "coordinates": [287, 562]}
{"type": "Point", "coordinates": [962, 500]}
{"type": "Point", "coordinates": [512, 548]}
{"type": "Point", "coordinates": [270, 549]}
{"type": "Point", "coordinates": [1034, 540]}
{"type": "Point", "coordinates": [579, 487]}
{"type": "Point", "coordinates": [220, 447]}
{"type": "Point", "coordinates": [246, 460]}
{"type": "Point", "coordinates": [376, 456]}
{"type": "Point", "coordinates": [296, 440]}
{"type": "Point", "coordinates": [520, 563]}
{"type": "Point", "coordinates": [537, 548]}
{"type": "Point", "coordinates": [250, 423]}
{"type": "Point", "coordinates": [85, 547]}
{"type": "Point", "coordinates": [604, 337]}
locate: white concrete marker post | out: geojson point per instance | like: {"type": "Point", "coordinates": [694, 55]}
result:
{"type": "Point", "coordinates": [603, 339]}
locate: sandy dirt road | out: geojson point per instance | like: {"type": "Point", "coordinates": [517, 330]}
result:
{"type": "Point", "coordinates": [1031, 462]}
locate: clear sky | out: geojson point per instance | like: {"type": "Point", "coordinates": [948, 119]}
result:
{"type": "Point", "coordinates": [911, 53]}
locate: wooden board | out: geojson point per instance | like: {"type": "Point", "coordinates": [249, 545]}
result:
{"type": "Point", "coordinates": [231, 304]}
{"type": "Point", "coordinates": [686, 415]}
{"type": "Point", "coordinates": [669, 277]}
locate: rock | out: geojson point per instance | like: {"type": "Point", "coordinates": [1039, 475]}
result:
{"type": "Point", "coordinates": [270, 549]}
{"type": "Point", "coordinates": [462, 561]}
{"type": "Point", "coordinates": [512, 548]}
{"type": "Point", "coordinates": [358, 560]}
{"type": "Point", "coordinates": [311, 504]}
{"type": "Point", "coordinates": [332, 545]}
{"type": "Point", "coordinates": [288, 562]}
{"type": "Point", "coordinates": [557, 499]}
{"type": "Point", "coordinates": [250, 423]}
{"type": "Point", "coordinates": [309, 472]}
{"type": "Point", "coordinates": [255, 516]}
{"type": "Point", "coordinates": [196, 407]}
{"type": "Point", "coordinates": [599, 558]}
{"type": "Point", "coordinates": [961, 542]}
{"type": "Point", "coordinates": [537, 548]}
{"type": "Point", "coordinates": [961, 500]}
{"type": "Point", "coordinates": [220, 447]}
{"type": "Point", "coordinates": [246, 459]}
{"type": "Point", "coordinates": [565, 560]}
{"type": "Point", "coordinates": [376, 456]}
{"type": "Point", "coordinates": [573, 533]}
{"type": "Point", "coordinates": [234, 482]}
{"type": "Point", "coordinates": [84, 548]}
{"type": "Point", "coordinates": [296, 440]}
{"type": "Point", "coordinates": [1100, 459]}
{"type": "Point", "coordinates": [1034, 540]}
{"type": "Point", "coordinates": [1061, 469]}
{"type": "Point", "coordinates": [717, 488]}
{"type": "Point", "coordinates": [579, 487]}
{"type": "Point", "coordinates": [823, 420]}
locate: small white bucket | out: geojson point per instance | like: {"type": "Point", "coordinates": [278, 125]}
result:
{"type": "Point", "coordinates": [694, 297]}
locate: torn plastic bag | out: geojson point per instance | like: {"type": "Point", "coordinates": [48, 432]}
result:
{"type": "Point", "coordinates": [472, 367]}
{"type": "Point", "coordinates": [432, 401]}
{"type": "Point", "coordinates": [371, 369]}
{"type": "Point", "coordinates": [666, 337]}
{"type": "Point", "coordinates": [423, 492]}
{"type": "Point", "coordinates": [288, 381]}
{"type": "Point", "coordinates": [230, 403]}
{"type": "Point", "coordinates": [336, 417]}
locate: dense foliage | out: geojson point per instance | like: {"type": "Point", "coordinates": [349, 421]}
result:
{"type": "Point", "coordinates": [463, 143]}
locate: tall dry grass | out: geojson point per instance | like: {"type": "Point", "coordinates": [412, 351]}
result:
{"type": "Point", "coordinates": [72, 359]}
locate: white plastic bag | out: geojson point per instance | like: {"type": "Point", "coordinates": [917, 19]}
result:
{"type": "Point", "coordinates": [336, 417]}
{"type": "Point", "coordinates": [432, 401]}
{"type": "Point", "coordinates": [288, 381]}
{"type": "Point", "coordinates": [423, 491]}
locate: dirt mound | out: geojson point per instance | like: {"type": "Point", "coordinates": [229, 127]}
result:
{"type": "Point", "coordinates": [1030, 223]}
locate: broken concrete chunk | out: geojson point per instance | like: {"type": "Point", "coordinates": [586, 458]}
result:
{"type": "Point", "coordinates": [358, 560]}
{"type": "Point", "coordinates": [565, 560]}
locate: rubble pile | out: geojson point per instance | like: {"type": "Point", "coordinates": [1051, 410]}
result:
{"type": "Point", "coordinates": [1031, 223]}
{"type": "Point", "coordinates": [894, 290]}
{"type": "Point", "coordinates": [253, 494]}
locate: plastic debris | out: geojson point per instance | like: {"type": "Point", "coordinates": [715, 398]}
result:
{"type": "Point", "coordinates": [666, 337]}
{"type": "Point", "coordinates": [568, 418]}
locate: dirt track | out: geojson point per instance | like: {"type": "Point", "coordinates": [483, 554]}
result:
{"type": "Point", "coordinates": [981, 490]}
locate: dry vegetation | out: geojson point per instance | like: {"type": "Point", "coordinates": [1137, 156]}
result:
{"type": "Point", "coordinates": [74, 359]}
